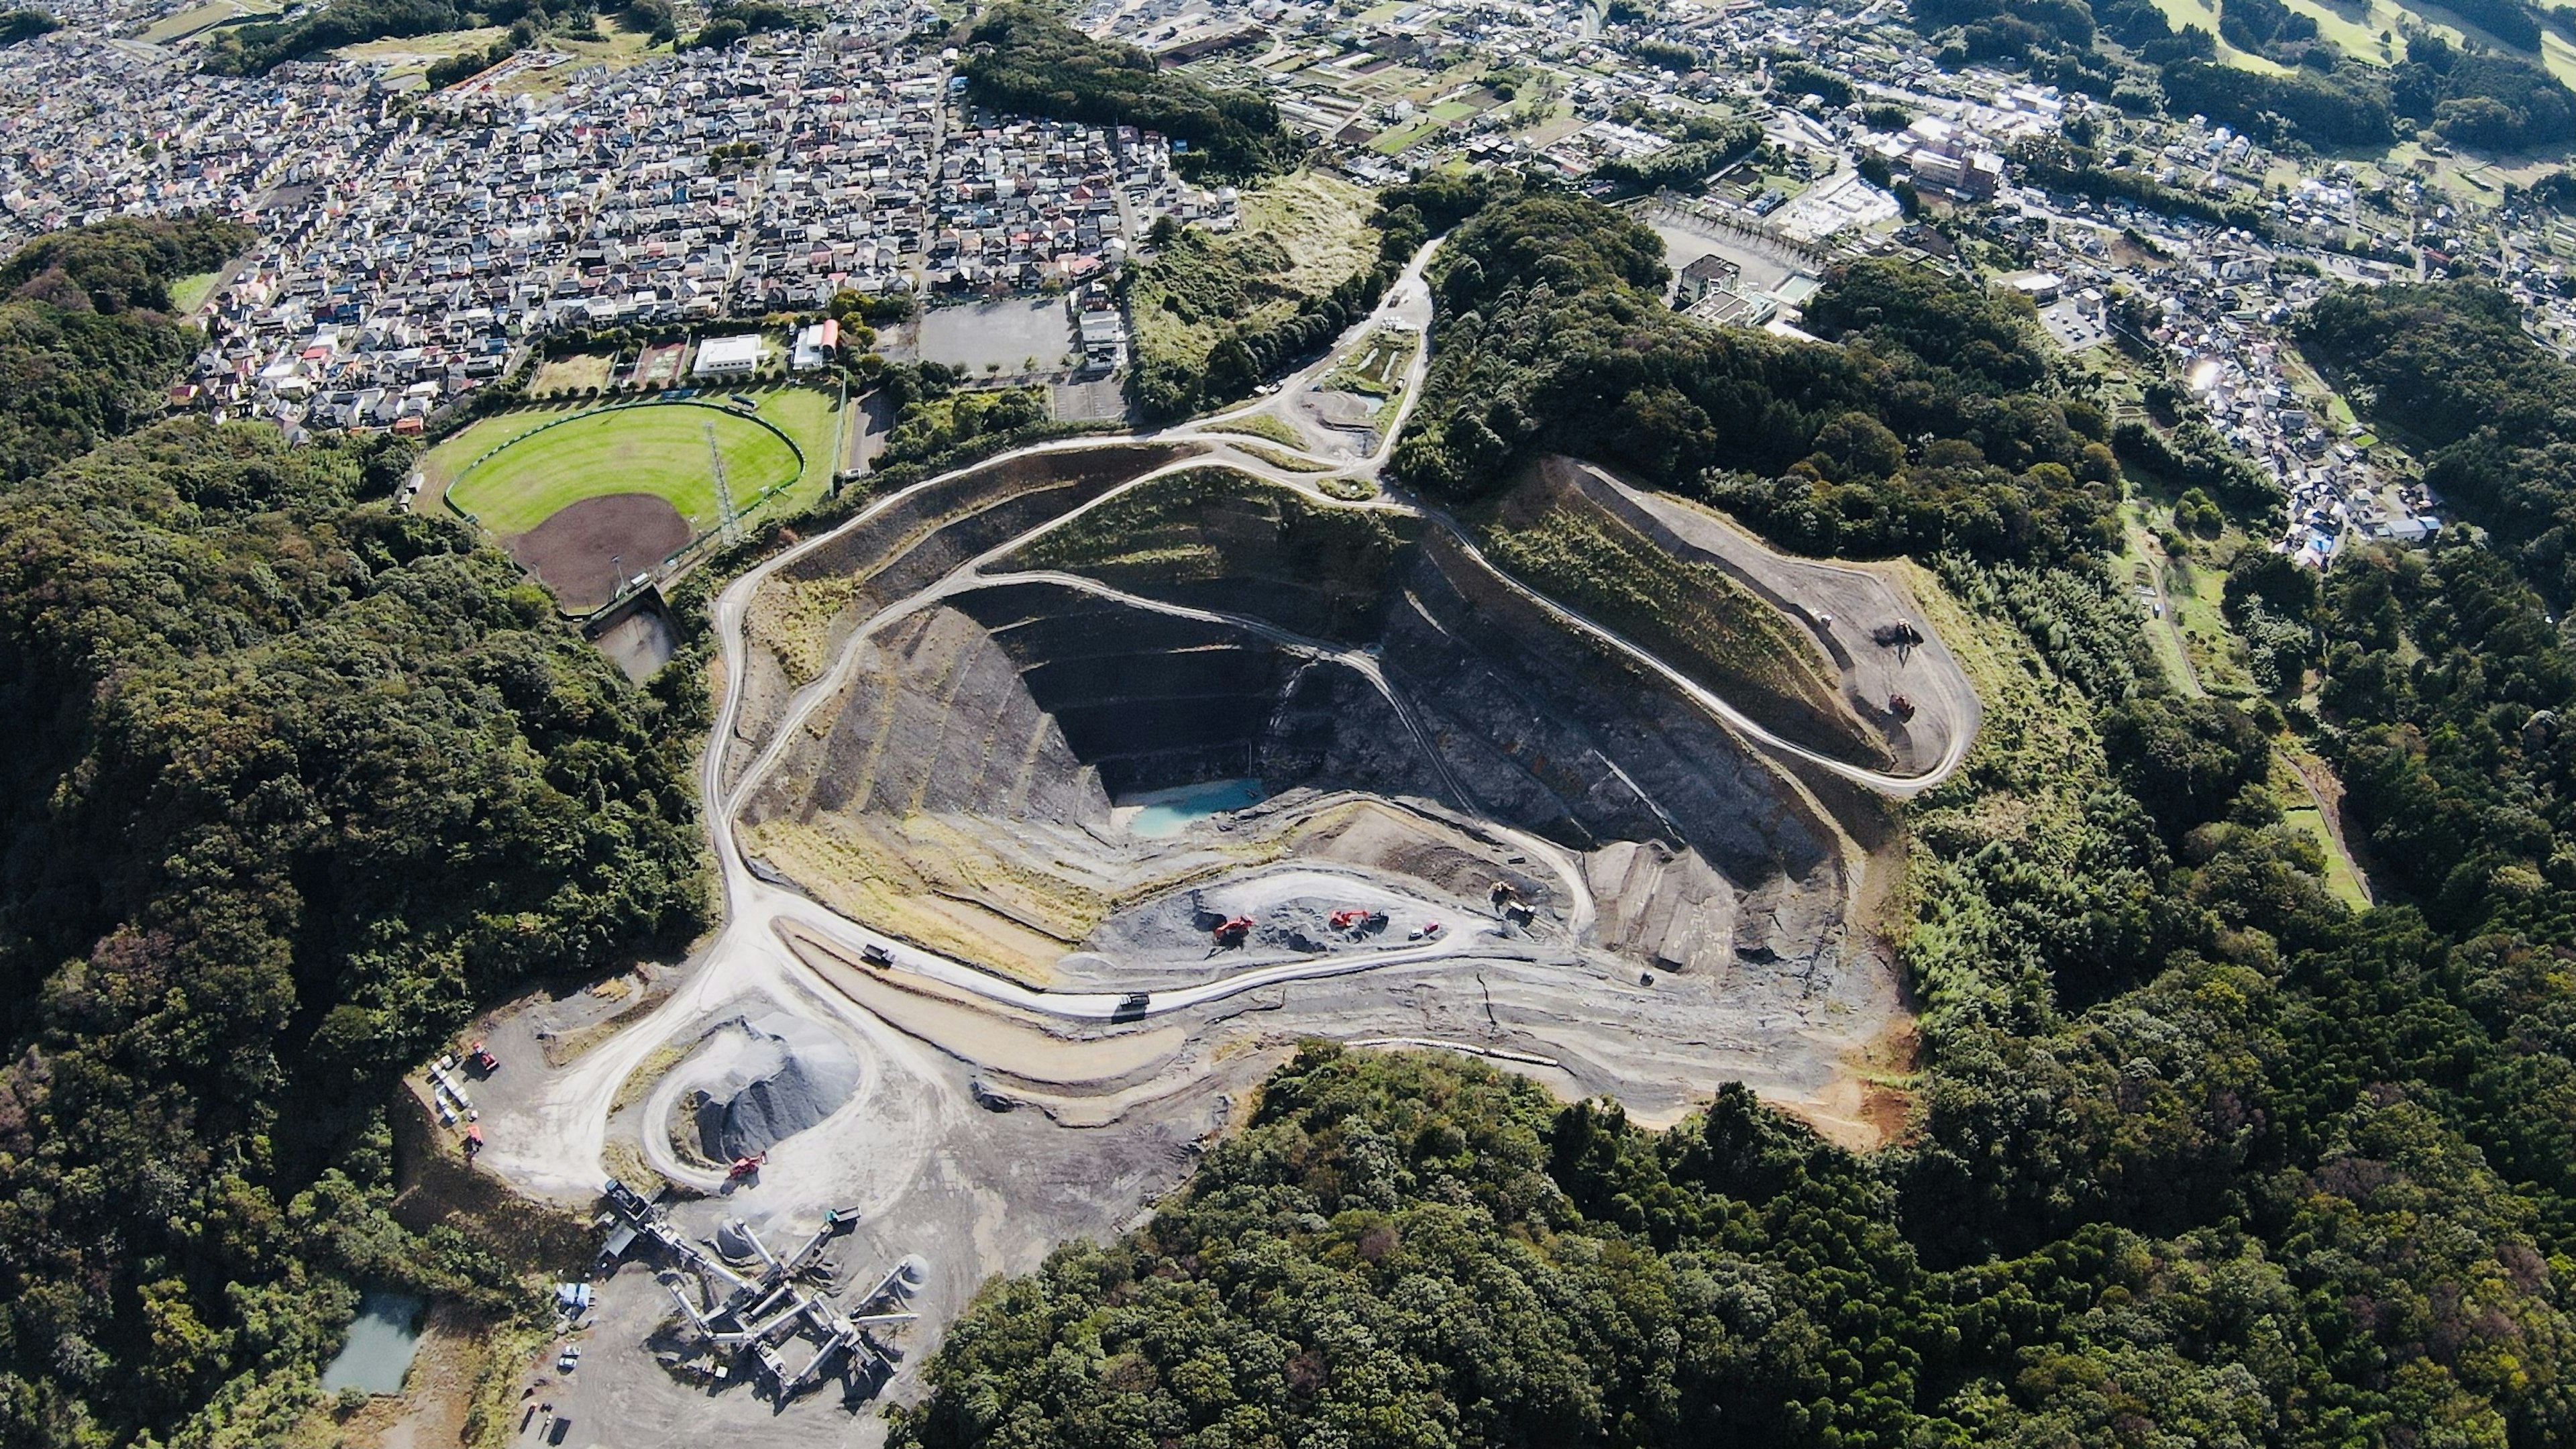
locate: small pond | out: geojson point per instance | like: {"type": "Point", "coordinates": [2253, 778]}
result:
{"type": "Point", "coordinates": [1154, 814]}
{"type": "Point", "coordinates": [380, 1347]}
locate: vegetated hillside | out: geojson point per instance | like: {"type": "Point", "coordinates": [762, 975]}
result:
{"type": "Point", "coordinates": [1552, 336]}
{"type": "Point", "coordinates": [2471, 775]}
{"type": "Point", "coordinates": [84, 347]}
{"type": "Point", "coordinates": [1209, 536]}
{"type": "Point", "coordinates": [2199, 1156]}
{"type": "Point", "coordinates": [2449, 365]}
{"type": "Point", "coordinates": [26, 24]}
{"type": "Point", "coordinates": [1215, 314]}
{"type": "Point", "coordinates": [1024, 59]}
{"type": "Point", "coordinates": [259, 48]}
{"type": "Point", "coordinates": [2321, 97]}
{"type": "Point", "coordinates": [295, 782]}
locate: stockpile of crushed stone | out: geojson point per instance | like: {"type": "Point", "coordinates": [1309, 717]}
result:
{"type": "Point", "coordinates": [1291, 911]}
{"type": "Point", "coordinates": [772, 1076]}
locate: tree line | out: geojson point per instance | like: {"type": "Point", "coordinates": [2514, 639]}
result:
{"type": "Point", "coordinates": [1023, 59]}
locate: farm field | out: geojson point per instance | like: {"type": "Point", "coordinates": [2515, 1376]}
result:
{"type": "Point", "coordinates": [180, 25]}
{"type": "Point", "coordinates": [2356, 28]}
{"type": "Point", "coordinates": [576, 372]}
{"type": "Point", "coordinates": [189, 293]}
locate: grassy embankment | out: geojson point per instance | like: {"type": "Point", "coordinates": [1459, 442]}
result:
{"type": "Point", "coordinates": [1298, 235]}
{"type": "Point", "coordinates": [1220, 538]}
{"type": "Point", "coordinates": [1693, 615]}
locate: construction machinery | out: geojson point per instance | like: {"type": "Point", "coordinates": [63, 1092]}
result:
{"type": "Point", "coordinates": [1358, 920]}
{"type": "Point", "coordinates": [746, 1167]}
{"type": "Point", "coordinates": [1234, 932]}
{"type": "Point", "coordinates": [772, 1300]}
{"type": "Point", "coordinates": [480, 1061]}
{"type": "Point", "coordinates": [1900, 706]}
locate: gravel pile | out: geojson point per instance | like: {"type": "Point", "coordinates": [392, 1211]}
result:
{"type": "Point", "coordinates": [774, 1075]}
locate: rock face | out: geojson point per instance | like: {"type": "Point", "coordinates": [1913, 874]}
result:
{"type": "Point", "coordinates": [774, 1075]}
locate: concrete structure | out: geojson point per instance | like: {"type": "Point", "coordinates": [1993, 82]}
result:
{"type": "Point", "coordinates": [1711, 273]}
{"type": "Point", "coordinates": [816, 345]}
{"type": "Point", "coordinates": [729, 356]}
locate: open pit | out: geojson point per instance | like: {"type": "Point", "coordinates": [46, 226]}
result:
{"type": "Point", "coordinates": [1431, 774]}
{"type": "Point", "coordinates": [1063, 794]}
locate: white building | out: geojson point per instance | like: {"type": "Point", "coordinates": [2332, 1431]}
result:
{"type": "Point", "coordinates": [729, 356]}
{"type": "Point", "coordinates": [815, 345]}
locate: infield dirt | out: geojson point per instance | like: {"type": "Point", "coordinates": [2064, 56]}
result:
{"type": "Point", "coordinates": [584, 549]}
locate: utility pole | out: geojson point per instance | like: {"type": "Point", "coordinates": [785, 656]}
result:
{"type": "Point", "coordinates": [728, 523]}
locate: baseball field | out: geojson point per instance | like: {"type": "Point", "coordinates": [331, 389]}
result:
{"type": "Point", "coordinates": [660, 449]}
{"type": "Point", "coordinates": [586, 496]}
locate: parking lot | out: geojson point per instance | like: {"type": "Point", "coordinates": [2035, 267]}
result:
{"type": "Point", "coordinates": [999, 336]}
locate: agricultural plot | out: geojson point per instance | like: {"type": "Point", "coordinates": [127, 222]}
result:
{"type": "Point", "coordinates": [576, 372]}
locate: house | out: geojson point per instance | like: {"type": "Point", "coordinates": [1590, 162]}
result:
{"type": "Point", "coordinates": [816, 345]}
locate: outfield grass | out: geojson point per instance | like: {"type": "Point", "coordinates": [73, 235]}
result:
{"type": "Point", "coordinates": [813, 418]}
{"type": "Point", "coordinates": [660, 449]}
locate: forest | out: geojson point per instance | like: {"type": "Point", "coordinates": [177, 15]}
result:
{"type": "Point", "coordinates": [256, 49]}
{"type": "Point", "coordinates": [85, 345]}
{"type": "Point", "coordinates": [2448, 366]}
{"type": "Point", "coordinates": [1024, 59]}
{"type": "Point", "coordinates": [296, 783]}
{"type": "Point", "coordinates": [2198, 1156]}
{"type": "Point", "coordinates": [1552, 335]}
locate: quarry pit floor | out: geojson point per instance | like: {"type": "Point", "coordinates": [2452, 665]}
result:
{"type": "Point", "coordinates": [988, 1116]}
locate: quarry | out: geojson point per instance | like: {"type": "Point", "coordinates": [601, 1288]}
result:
{"type": "Point", "coordinates": [1056, 799]}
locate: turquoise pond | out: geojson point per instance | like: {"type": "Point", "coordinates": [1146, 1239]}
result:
{"type": "Point", "coordinates": [1168, 812]}
{"type": "Point", "coordinates": [380, 1347]}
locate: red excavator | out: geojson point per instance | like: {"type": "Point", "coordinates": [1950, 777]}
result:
{"type": "Point", "coordinates": [482, 1063]}
{"type": "Point", "coordinates": [1350, 918]}
{"type": "Point", "coordinates": [1899, 706]}
{"type": "Point", "coordinates": [1234, 932]}
{"type": "Point", "coordinates": [746, 1167]}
